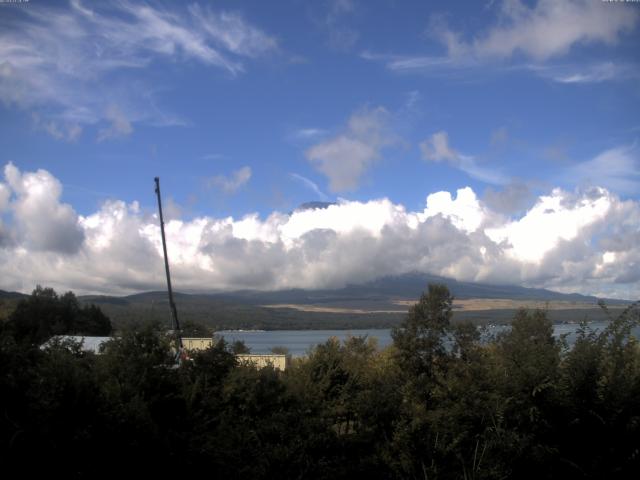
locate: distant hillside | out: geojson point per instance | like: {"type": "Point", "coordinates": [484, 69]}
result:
{"type": "Point", "coordinates": [378, 304]}
{"type": "Point", "coordinates": [4, 295]}
{"type": "Point", "coordinates": [8, 302]}
{"type": "Point", "coordinates": [401, 287]}
{"type": "Point", "coordinates": [381, 303]}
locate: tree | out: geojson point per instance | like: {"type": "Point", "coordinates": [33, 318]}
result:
{"type": "Point", "coordinates": [191, 328]}
{"type": "Point", "coordinates": [44, 314]}
{"type": "Point", "coordinates": [239, 347]}
{"type": "Point", "coordinates": [600, 379]}
{"type": "Point", "coordinates": [527, 365]}
{"type": "Point", "coordinates": [419, 340]}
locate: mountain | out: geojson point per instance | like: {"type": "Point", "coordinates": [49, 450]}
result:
{"type": "Point", "coordinates": [314, 206]}
{"type": "Point", "coordinates": [4, 295]}
{"type": "Point", "coordinates": [377, 304]}
{"type": "Point", "coordinates": [380, 303]}
{"type": "Point", "coordinates": [401, 287]}
{"type": "Point", "coordinates": [8, 302]}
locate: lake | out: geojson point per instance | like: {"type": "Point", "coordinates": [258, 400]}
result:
{"type": "Point", "coordinates": [299, 342]}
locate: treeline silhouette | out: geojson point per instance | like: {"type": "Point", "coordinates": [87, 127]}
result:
{"type": "Point", "coordinates": [439, 403]}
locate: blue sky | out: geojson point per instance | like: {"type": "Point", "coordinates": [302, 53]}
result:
{"type": "Point", "coordinates": [249, 108]}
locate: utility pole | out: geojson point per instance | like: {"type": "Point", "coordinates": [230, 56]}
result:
{"type": "Point", "coordinates": [172, 305]}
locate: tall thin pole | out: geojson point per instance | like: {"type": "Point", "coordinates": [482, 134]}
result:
{"type": "Point", "coordinates": [172, 305]}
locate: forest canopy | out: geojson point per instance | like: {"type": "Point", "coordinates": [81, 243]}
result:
{"type": "Point", "coordinates": [438, 403]}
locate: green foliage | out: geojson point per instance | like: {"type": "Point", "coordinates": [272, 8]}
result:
{"type": "Point", "coordinates": [239, 347]}
{"type": "Point", "coordinates": [191, 328]}
{"type": "Point", "coordinates": [45, 314]}
{"type": "Point", "coordinates": [600, 378]}
{"type": "Point", "coordinates": [439, 403]}
{"type": "Point", "coordinates": [280, 350]}
{"type": "Point", "coordinates": [419, 340]}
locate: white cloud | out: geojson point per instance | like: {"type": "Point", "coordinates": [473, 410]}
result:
{"type": "Point", "coordinates": [617, 169]}
{"type": "Point", "coordinates": [68, 131]}
{"type": "Point", "coordinates": [528, 37]}
{"type": "Point", "coordinates": [465, 212]}
{"type": "Point", "coordinates": [70, 64]}
{"type": "Point", "coordinates": [587, 241]}
{"type": "Point", "coordinates": [308, 133]}
{"type": "Point", "coordinates": [5, 194]}
{"type": "Point", "coordinates": [550, 220]}
{"type": "Point", "coordinates": [41, 221]}
{"type": "Point", "coordinates": [232, 31]}
{"type": "Point", "coordinates": [547, 29]}
{"type": "Point", "coordinates": [233, 182]}
{"type": "Point", "coordinates": [120, 125]}
{"type": "Point", "coordinates": [310, 185]}
{"type": "Point", "coordinates": [575, 74]}
{"type": "Point", "coordinates": [345, 158]}
{"type": "Point", "coordinates": [436, 148]}
{"type": "Point", "coordinates": [510, 199]}
{"type": "Point", "coordinates": [419, 63]}
{"type": "Point", "coordinates": [341, 35]}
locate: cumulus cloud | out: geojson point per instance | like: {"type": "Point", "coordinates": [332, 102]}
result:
{"type": "Point", "coordinates": [436, 148]}
{"type": "Point", "coordinates": [233, 182]}
{"type": "Point", "coordinates": [70, 64]}
{"type": "Point", "coordinates": [5, 194]}
{"type": "Point", "coordinates": [42, 222]}
{"type": "Point", "coordinates": [512, 198]}
{"type": "Point", "coordinates": [345, 158]}
{"type": "Point", "coordinates": [554, 219]}
{"type": "Point", "coordinates": [586, 241]}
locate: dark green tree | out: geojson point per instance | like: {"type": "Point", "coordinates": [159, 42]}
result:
{"type": "Point", "coordinates": [44, 314]}
{"type": "Point", "coordinates": [420, 339]}
{"type": "Point", "coordinates": [191, 328]}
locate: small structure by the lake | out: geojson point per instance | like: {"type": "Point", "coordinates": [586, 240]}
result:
{"type": "Point", "coordinates": [193, 343]}
{"type": "Point", "coordinates": [96, 345]}
{"type": "Point", "coordinates": [278, 362]}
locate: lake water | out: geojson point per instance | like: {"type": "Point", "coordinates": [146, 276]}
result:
{"type": "Point", "coordinates": [299, 342]}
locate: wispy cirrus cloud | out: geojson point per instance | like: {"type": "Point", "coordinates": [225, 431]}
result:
{"type": "Point", "coordinates": [418, 63]}
{"type": "Point", "coordinates": [309, 133]}
{"type": "Point", "coordinates": [305, 135]}
{"type": "Point", "coordinates": [542, 31]}
{"type": "Point", "coordinates": [436, 148]}
{"type": "Point", "coordinates": [120, 125]}
{"type": "Point", "coordinates": [311, 185]}
{"type": "Point", "coordinates": [597, 72]}
{"type": "Point", "coordinates": [540, 34]}
{"type": "Point", "coordinates": [617, 169]}
{"type": "Point", "coordinates": [340, 34]}
{"type": "Point", "coordinates": [70, 64]}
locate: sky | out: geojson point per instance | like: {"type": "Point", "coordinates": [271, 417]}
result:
{"type": "Point", "coordinates": [491, 141]}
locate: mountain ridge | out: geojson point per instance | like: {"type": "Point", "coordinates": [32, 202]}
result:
{"type": "Point", "coordinates": [380, 303]}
